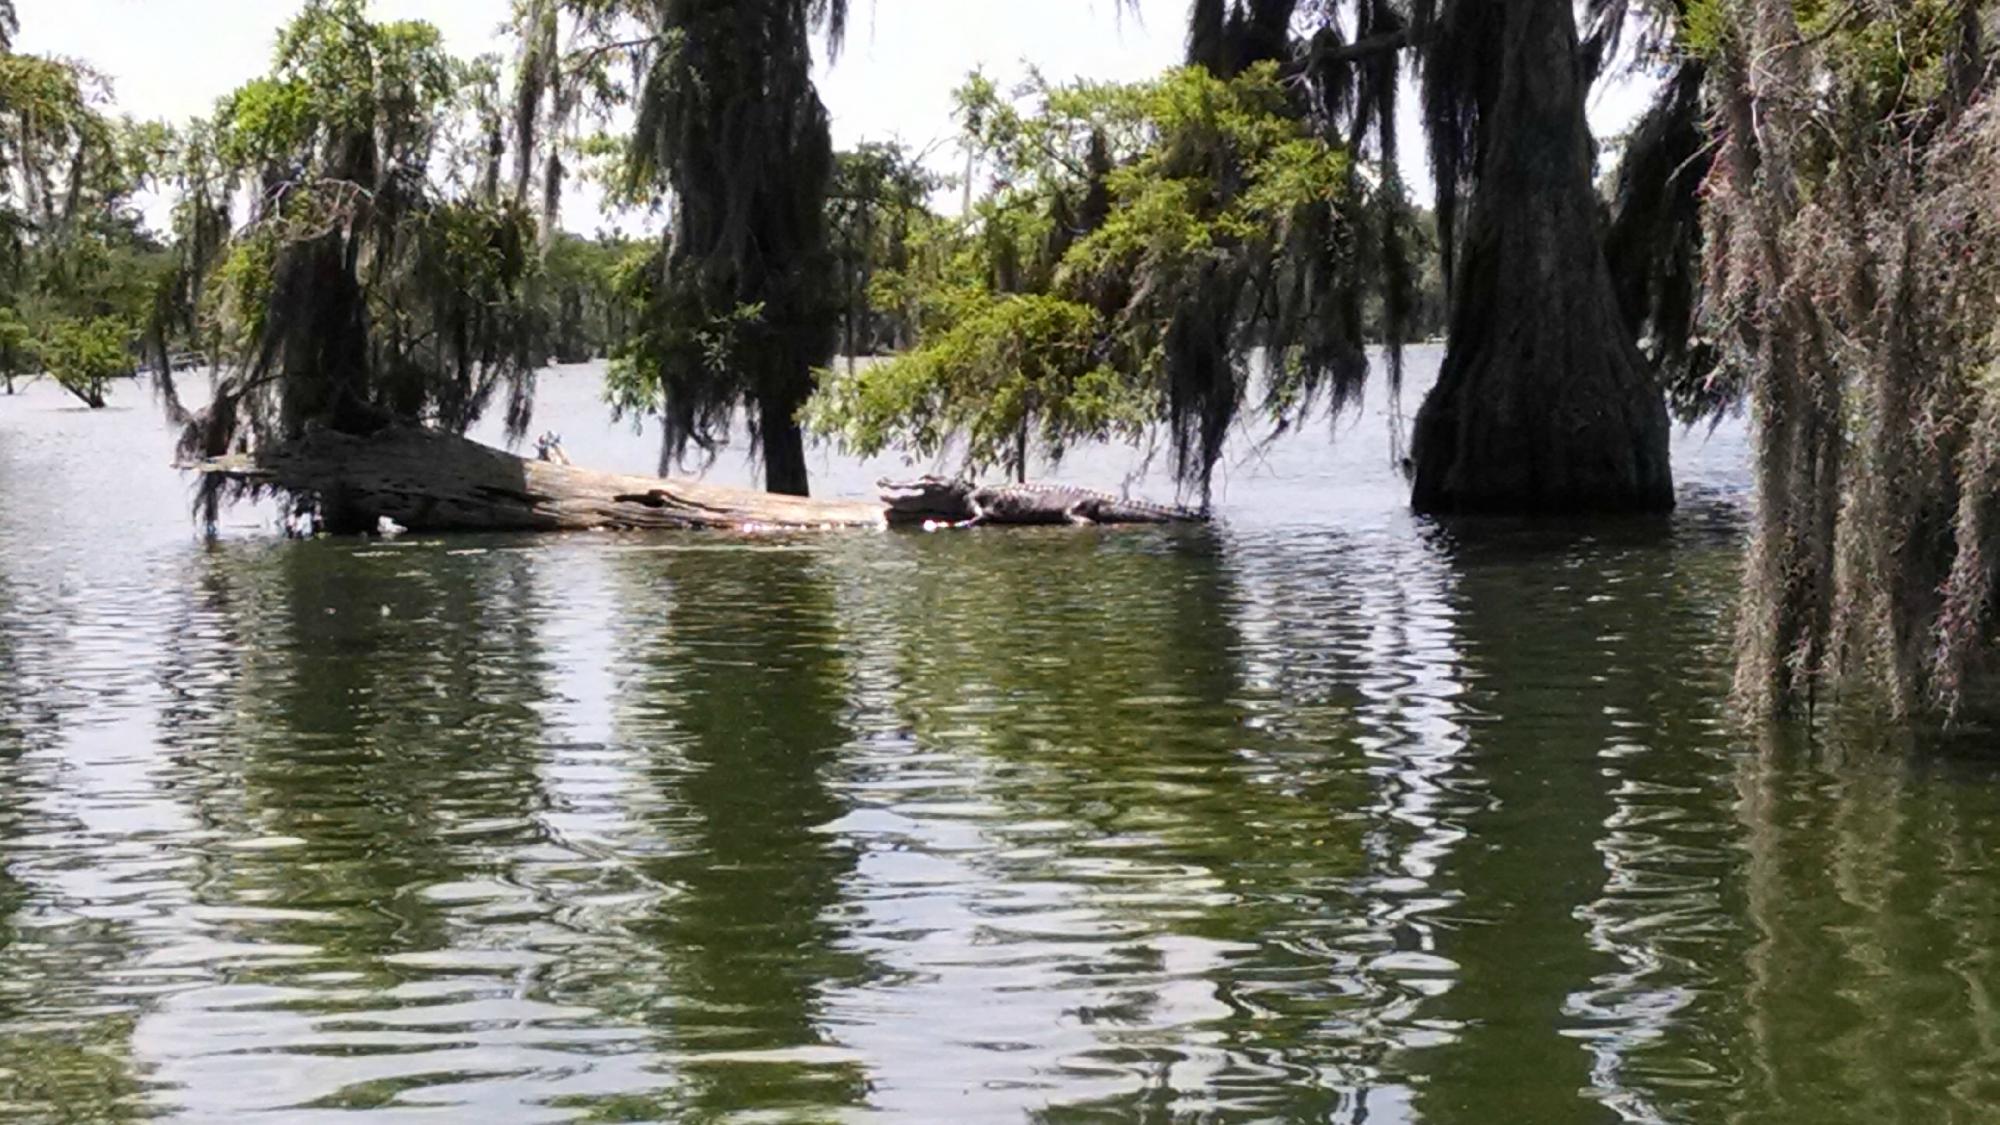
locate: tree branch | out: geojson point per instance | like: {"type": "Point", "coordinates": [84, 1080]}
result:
{"type": "Point", "coordinates": [578, 61]}
{"type": "Point", "coordinates": [1336, 54]}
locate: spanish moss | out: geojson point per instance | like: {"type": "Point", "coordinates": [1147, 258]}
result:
{"type": "Point", "coordinates": [743, 298]}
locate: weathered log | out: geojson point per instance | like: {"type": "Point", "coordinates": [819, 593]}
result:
{"type": "Point", "coordinates": [431, 481]}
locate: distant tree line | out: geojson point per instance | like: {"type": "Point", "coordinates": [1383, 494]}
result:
{"type": "Point", "coordinates": [89, 294]}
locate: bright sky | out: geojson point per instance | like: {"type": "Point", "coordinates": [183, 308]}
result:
{"type": "Point", "coordinates": [173, 58]}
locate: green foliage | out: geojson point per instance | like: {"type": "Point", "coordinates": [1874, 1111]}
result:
{"type": "Point", "coordinates": [582, 307]}
{"type": "Point", "coordinates": [53, 109]}
{"type": "Point", "coordinates": [76, 265]}
{"type": "Point", "coordinates": [266, 119]}
{"type": "Point", "coordinates": [83, 355]}
{"type": "Point", "coordinates": [705, 343]}
{"type": "Point", "coordinates": [1137, 236]}
{"type": "Point", "coordinates": [15, 337]}
{"type": "Point", "coordinates": [876, 206]}
{"type": "Point", "coordinates": [16, 347]}
{"type": "Point", "coordinates": [377, 281]}
{"type": "Point", "coordinates": [336, 75]}
{"type": "Point", "coordinates": [1704, 26]}
{"type": "Point", "coordinates": [1891, 65]}
{"type": "Point", "coordinates": [1010, 366]}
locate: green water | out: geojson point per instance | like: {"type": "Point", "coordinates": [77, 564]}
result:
{"type": "Point", "coordinates": [1322, 814]}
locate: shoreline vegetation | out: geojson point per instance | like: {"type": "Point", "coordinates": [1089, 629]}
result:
{"type": "Point", "coordinates": [1805, 225]}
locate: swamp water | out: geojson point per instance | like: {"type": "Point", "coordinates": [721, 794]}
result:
{"type": "Point", "coordinates": [1325, 813]}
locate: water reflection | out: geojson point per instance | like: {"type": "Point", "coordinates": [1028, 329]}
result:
{"type": "Point", "coordinates": [79, 821]}
{"type": "Point", "coordinates": [1871, 980]}
{"type": "Point", "coordinates": [1559, 687]}
{"type": "Point", "coordinates": [1116, 876]}
{"type": "Point", "coordinates": [1355, 637]}
{"type": "Point", "coordinates": [730, 704]}
{"type": "Point", "coordinates": [360, 737]}
{"type": "Point", "coordinates": [1323, 814]}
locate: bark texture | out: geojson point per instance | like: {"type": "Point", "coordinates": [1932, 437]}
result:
{"type": "Point", "coordinates": [426, 480]}
{"type": "Point", "coordinates": [1544, 404]}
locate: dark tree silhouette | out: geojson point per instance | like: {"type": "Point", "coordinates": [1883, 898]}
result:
{"type": "Point", "coordinates": [744, 297]}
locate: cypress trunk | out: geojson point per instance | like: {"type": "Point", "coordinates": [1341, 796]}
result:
{"type": "Point", "coordinates": [1544, 404]}
{"type": "Point", "coordinates": [731, 124]}
{"type": "Point", "coordinates": [784, 446]}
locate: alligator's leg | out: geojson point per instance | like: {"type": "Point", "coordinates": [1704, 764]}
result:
{"type": "Point", "coordinates": [979, 516]}
{"type": "Point", "coordinates": [1078, 514]}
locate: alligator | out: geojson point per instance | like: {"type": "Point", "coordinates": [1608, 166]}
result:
{"type": "Point", "coordinates": [960, 503]}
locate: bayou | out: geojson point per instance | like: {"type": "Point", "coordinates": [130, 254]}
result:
{"type": "Point", "coordinates": [1308, 574]}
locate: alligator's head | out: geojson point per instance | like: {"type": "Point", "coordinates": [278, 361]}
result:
{"type": "Point", "coordinates": [927, 498]}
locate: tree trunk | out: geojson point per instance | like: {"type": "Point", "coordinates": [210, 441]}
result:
{"type": "Point", "coordinates": [489, 177]}
{"type": "Point", "coordinates": [1544, 404]}
{"type": "Point", "coordinates": [784, 446]}
{"type": "Point", "coordinates": [90, 393]}
{"type": "Point", "coordinates": [552, 165]}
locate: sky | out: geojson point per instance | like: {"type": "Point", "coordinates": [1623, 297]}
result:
{"type": "Point", "coordinates": [172, 59]}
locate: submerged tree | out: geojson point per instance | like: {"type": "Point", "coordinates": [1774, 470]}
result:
{"type": "Point", "coordinates": [1853, 287]}
{"type": "Point", "coordinates": [360, 293]}
{"type": "Point", "coordinates": [76, 262]}
{"type": "Point", "coordinates": [1145, 239]}
{"type": "Point", "coordinates": [742, 303]}
{"type": "Point", "coordinates": [1544, 403]}
{"type": "Point", "coordinates": [83, 355]}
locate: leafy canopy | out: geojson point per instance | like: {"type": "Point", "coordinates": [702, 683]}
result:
{"type": "Point", "coordinates": [741, 301]}
{"type": "Point", "coordinates": [83, 355]}
{"type": "Point", "coordinates": [76, 264]}
{"type": "Point", "coordinates": [375, 282]}
{"type": "Point", "coordinates": [1080, 300]}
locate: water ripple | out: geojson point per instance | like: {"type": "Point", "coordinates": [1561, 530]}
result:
{"type": "Point", "coordinates": [1325, 813]}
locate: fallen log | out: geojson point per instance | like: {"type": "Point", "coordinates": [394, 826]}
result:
{"type": "Point", "coordinates": [426, 480]}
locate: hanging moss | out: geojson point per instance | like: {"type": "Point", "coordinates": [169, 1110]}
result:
{"type": "Point", "coordinates": [1146, 238]}
{"type": "Point", "coordinates": [743, 304]}
{"type": "Point", "coordinates": [1853, 283]}
{"type": "Point", "coordinates": [363, 290]}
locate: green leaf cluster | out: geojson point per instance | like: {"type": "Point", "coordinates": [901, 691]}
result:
{"type": "Point", "coordinates": [83, 355]}
{"type": "Point", "coordinates": [335, 72]}
{"type": "Point", "coordinates": [1010, 366]}
{"type": "Point", "coordinates": [1059, 309]}
{"type": "Point", "coordinates": [878, 219]}
{"type": "Point", "coordinates": [77, 266]}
